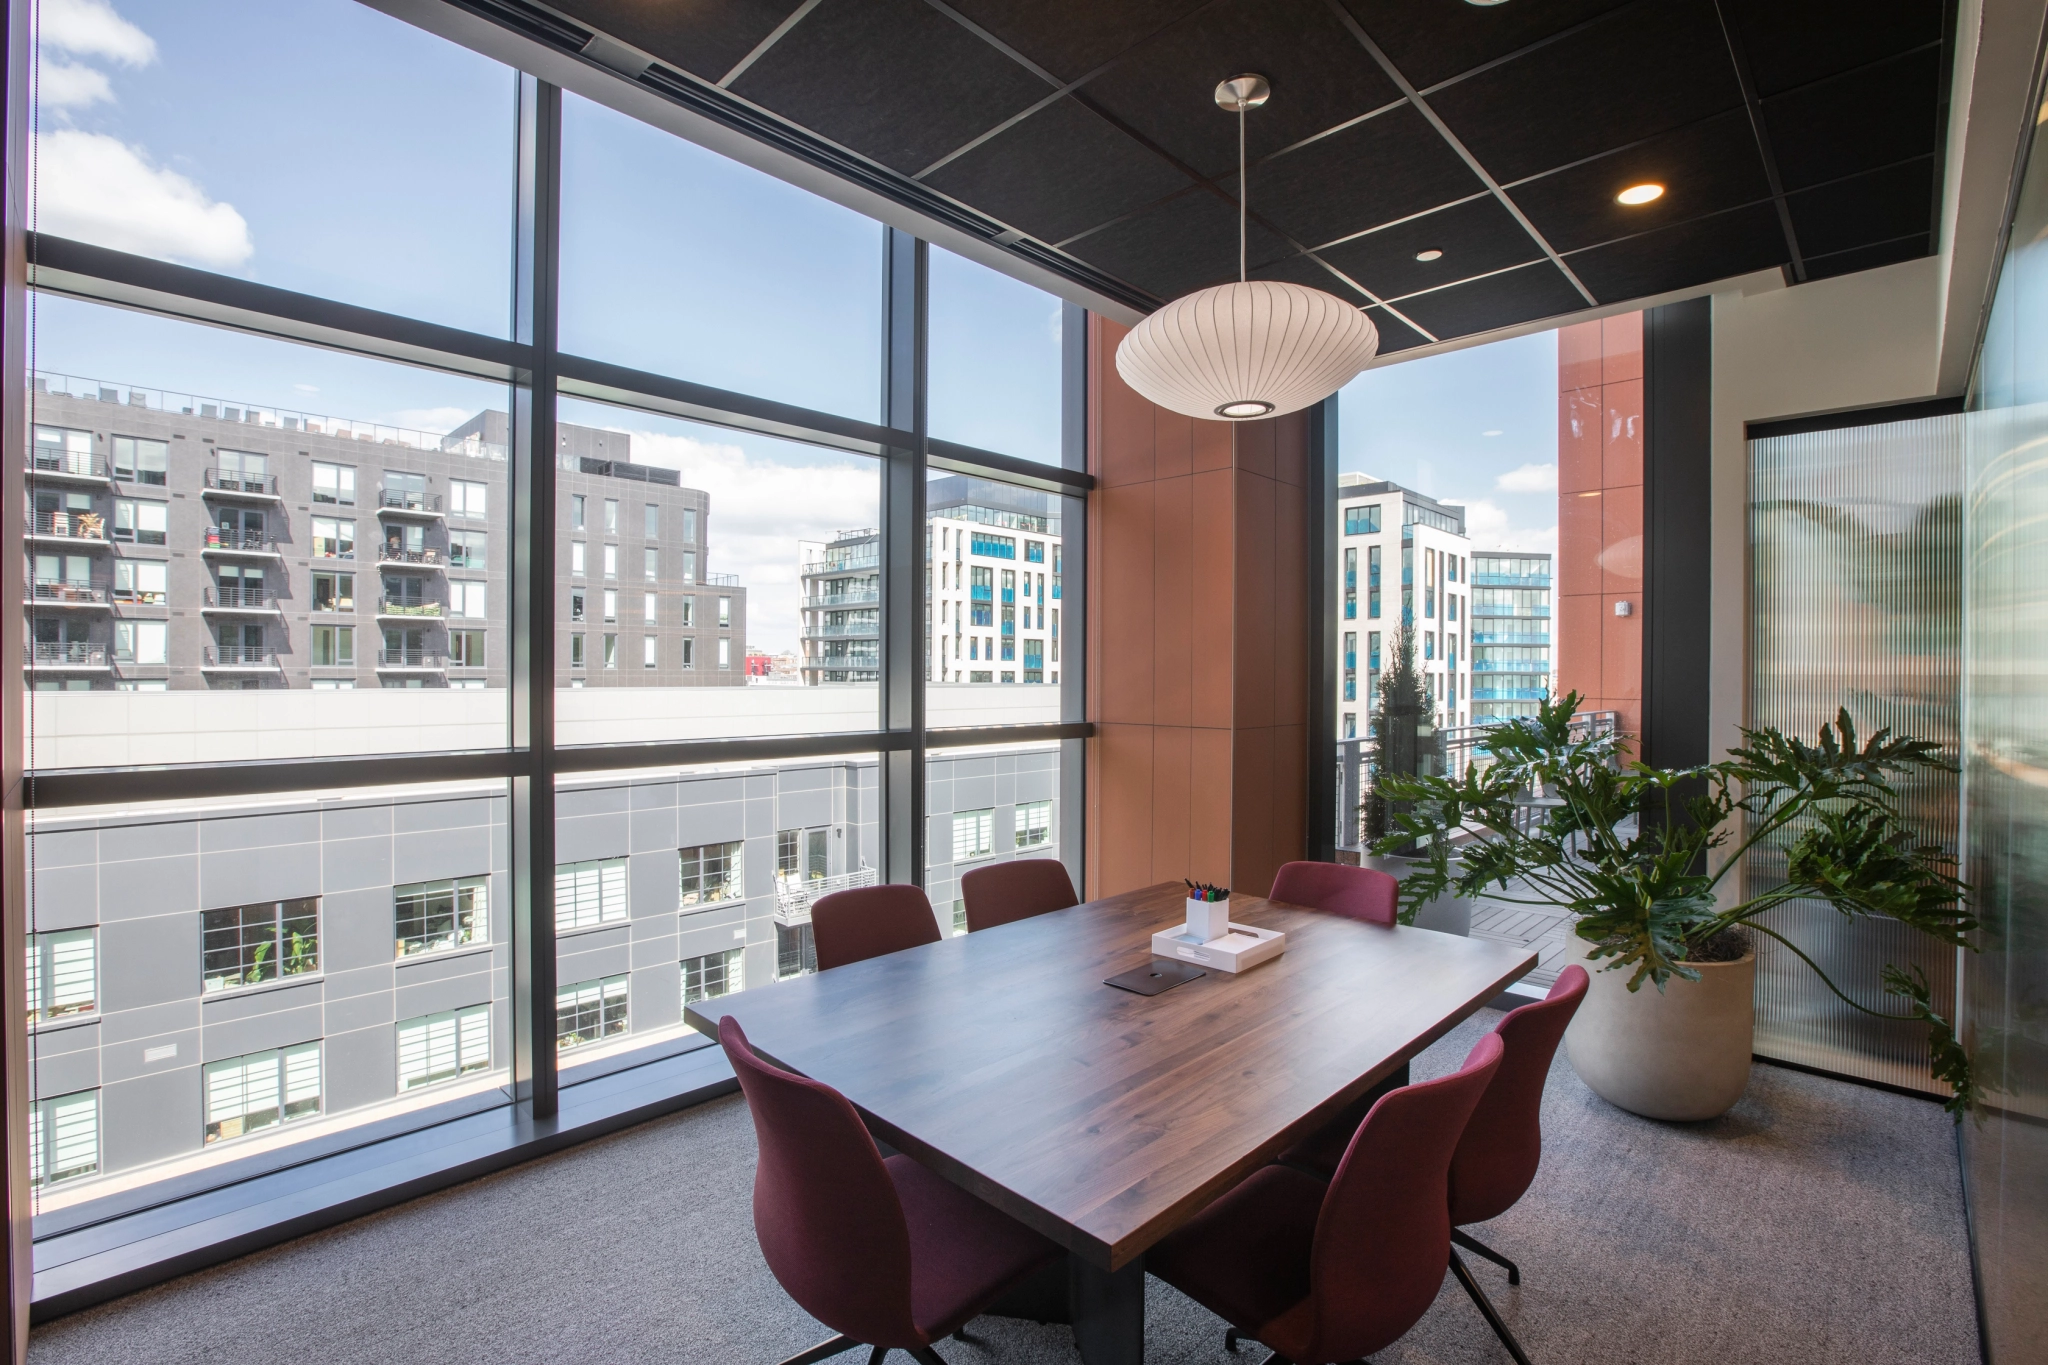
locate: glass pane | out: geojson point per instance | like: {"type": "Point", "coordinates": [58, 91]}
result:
{"type": "Point", "coordinates": [995, 360]}
{"type": "Point", "coordinates": [679, 885]}
{"type": "Point", "coordinates": [278, 548]}
{"type": "Point", "coordinates": [995, 595]}
{"type": "Point", "coordinates": [983, 806]}
{"type": "Point", "coordinates": [680, 262]}
{"type": "Point", "coordinates": [763, 573]}
{"type": "Point", "coordinates": [254, 987]}
{"type": "Point", "coordinates": [316, 145]}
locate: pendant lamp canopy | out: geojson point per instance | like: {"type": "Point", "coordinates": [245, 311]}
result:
{"type": "Point", "coordinates": [1252, 349]}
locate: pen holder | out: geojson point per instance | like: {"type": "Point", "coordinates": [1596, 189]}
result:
{"type": "Point", "coordinates": [1208, 920]}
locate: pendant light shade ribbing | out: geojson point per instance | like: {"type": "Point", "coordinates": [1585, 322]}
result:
{"type": "Point", "coordinates": [1247, 350]}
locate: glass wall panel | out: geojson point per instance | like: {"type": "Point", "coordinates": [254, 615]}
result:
{"type": "Point", "coordinates": [986, 805]}
{"type": "Point", "coordinates": [238, 981]}
{"type": "Point", "coordinates": [680, 262]}
{"type": "Point", "coordinates": [731, 581]}
{"type": "Point", "coordinates": [994, 603]}
{"type": "Point", "coordinates": [995, 360]}
{"type": "Point", "coordinates": [202, 525]}
{"type": "Point", "coordinates": [316, 145]}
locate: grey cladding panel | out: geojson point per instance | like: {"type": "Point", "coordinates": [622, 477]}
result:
{"type": "Point", "coordinates": [149, 887]}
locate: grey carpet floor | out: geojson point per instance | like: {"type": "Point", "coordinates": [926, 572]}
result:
{"type": "Point", "coordinates": [1817, 1221]}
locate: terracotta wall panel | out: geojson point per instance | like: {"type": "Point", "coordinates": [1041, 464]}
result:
{"type": "Point", "coordinates": [1579, 430]}
{"type": "Point", "coordinates": [1215, 445]}
{"type": "Point", "coordinates": [1578, 356]}
{"type": "Point", "coordinates": [1255, 447]}
{"type": "Point", "coordinates": [1290, 773]}
{"type": "Point", "coordinates": [1578, 543]}
{"type": "Point", "coordinates": [1172, 759]}
{"type": "Point", "coordinates": [1251, 818]}
{"type": "Point", "coordinates": [1621, 535]}
{"type": "Point", "coordinates": [1578, 644]}
{"type": "Point", "coordinates": [1621, 348]}
{"type": "Point", "coordinates": [1210, 783]}
{"type": "Point", "coordinates": [1122, 856]}
{"type": "Point", "coordinates": [1290, 449]}
{"type": "Point", "coordinates": [1212, 593]}
{"type": "Point", "coordinates": [1253, 625]}
{"type": "Point", "coordinates": [1621, 666]}
{"type": "Point", "coordinates": [1290, 604]}
{"type": "Point", "coordinates": [1173, 562]}
{"type": "Point", "coordinates": [1127, 605]}
{"type": "Point", "coordinates": [1173, 444]}
{"type": "Point", "coordinates": [1621, 436]}
{"type": "Point", "coordinates": [1121, 450]}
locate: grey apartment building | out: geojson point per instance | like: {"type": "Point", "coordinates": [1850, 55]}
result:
{"type": "Point", "coordinates": [188, 543]}
{"type": "Point", "coordinates": [1512, 662]}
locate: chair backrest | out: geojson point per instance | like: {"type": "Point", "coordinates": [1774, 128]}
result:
{"type": "Point", "coordinates": [825, 1210]}
{"type": "Point", "coordinates": [1003, 892]}
{"type": "Point", "coordinates": [867, 921]}
{"type": "Point", "coordinates": [1354, 892]}
{"type": "Point", "coordinates": [1503, 1144]}
{"type": "Point", "coordinates": [1382, 1239]}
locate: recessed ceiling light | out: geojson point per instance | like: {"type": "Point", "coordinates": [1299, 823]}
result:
{"type": "Point", "coordinates": [1486, 4]}
{"type": "Point", "coordinates": [1430, 255]}
{"type": "Point", "coordinates": [1640, 194]}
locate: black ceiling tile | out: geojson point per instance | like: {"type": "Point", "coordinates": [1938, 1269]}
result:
{"type": "Point", "coordinates": [1876, 206]}
{"type": "Point", "coordinates": [1306, 270]}
{"type": "Point", "coordinates": [1395, 335]}
{"type": "Point", "coordinates": [1476, 238]}
{"type": "Point", "coordinates": [1061, 171]}
{"type": "Point", "coordinates": [1432, 40]}
{"type": "Point", "coordinates": [1791, 45]}
{"type": "Point", "coordinates": [1647, 70]}
{"type": "Point", "coordinates": [1371, 173]}
{"type": "Point", "coordinates": [704, 40]}
{"type": "Point", "coordinates": [1071, 38]}
{"type": "Point", "coordinates": [1187, 243]}
{"type": "Point", "coordinates": [892, 79]}
{"type": "Point", "coordinates": [1699, 252]}
{"type": "Point", "coordinates": [1166, 88]}
{"type": "Point", "coordinates": [1709, 166]}
{"type": "Point", "coordinates": [1868, 257]}
{"type": "Point", "coordinates": [1534, 291]}
{"type": "Point", "coordinates": [1869, 118]}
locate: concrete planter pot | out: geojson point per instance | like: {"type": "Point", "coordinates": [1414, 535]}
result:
{"type": "Point", "coordinates": [1447, 914]}
{"type": "Point", "coordinates": [1682, 1053]}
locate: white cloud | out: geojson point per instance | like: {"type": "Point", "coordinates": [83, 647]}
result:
{"type": "Point", "coordinates": [99, 189]}
{"type": "Point", "coordinates": [760, 509]}
{"type": "Point", "coordinates": [91, 28]}
{"type": "Point", "coordinates": [60, 85]}
{"type": "Point", "coordinates": [1529, 478]}
{"type": "Point", "coordinates": [1490, 529]}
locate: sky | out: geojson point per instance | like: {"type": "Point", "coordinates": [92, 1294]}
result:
{"type": "Point", "coordinates": [323, 147]}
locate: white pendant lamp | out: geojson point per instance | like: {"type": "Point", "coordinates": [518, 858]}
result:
{"type": "Point", "coordinates": [1256, 348]}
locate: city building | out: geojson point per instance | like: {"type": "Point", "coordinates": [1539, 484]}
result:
{"type": "Point", "coordinates": [179, 543]}
{"type": "Point", "coordinates": [1401, 557]}
{"type": "Point", "coordinates": [993, 593]}
{"type": "Point", "coordinates": [842, 608]}
{"type": "Point", "coordinates": [1512, 664]}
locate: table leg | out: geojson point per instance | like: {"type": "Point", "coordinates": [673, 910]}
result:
{"type": "Point", "coordinates": [1109, 1312]}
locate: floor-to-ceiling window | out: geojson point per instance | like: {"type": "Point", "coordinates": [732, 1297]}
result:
{"type": "Point", "coordinates": [499, 563]}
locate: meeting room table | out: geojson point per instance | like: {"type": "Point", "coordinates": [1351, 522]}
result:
{"type": "Point", "coordinates": [1102, 1118]}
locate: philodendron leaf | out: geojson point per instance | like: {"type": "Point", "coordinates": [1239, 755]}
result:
{"type": "Point", "coordinates": [1947, 1059]}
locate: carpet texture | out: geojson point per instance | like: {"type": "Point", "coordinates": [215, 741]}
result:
{"type": "Point", "coordinates": [1816, 1222]}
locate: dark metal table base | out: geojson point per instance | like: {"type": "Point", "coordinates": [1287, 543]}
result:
{"type": "Point", "coordinates": [1106, 1308]}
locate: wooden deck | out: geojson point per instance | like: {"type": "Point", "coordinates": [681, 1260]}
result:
{"type": "Point", "coordinates": [1546, 931]}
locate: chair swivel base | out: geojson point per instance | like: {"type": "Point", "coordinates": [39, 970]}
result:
{"type": "Point", "coordinates": [1487, 1310]}
{"type": "Point", "coordinates": [1459, 1237]}
{"type": "Point", "coordinates": [825, 1350]}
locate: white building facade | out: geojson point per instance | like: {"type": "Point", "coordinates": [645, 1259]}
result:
{"type": "Point", "coordinates": [1401, 556]}
{"type": "Point", "coordinates": [993, 590]}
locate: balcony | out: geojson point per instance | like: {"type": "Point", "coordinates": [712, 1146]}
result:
{"type": "Point", "coordinates": [851, 630]}
{"type": "Point", "coordinates": [70, 528]}
{"type": "Point", "coordinates": [393, 503]}
{"type": "Point", "coordinates": [847, 563]}
{"type": "Point", "coordinates": [240, 599]}
{"type": "Point", "coordinates": [864, 597]}
{"type": "Point", "coordinates": [1486, 609]}
{"type": "Point", "coordinates": [1508, 580]}
{"type": "Point", "coordinates": [60, 592]}
{"type": "Point", "coordinates": [395, 557]}
{"type": "Point", "coordinates": [64, 654]}
{"type": "Point", "coordinates": [722, 580]}
{"type": "Point", "coordinates": [411, 661]}
{"type": "Point", "coordinates": [226, 541]}
{"type": "Point", "coordinates": [73, 465]}
{"type": "Point", "coordinates": [239, 659]}
{"type": "Point", "coordinates": [229, 483]}
{"type": "Point", "coordinates": [794, 894]}
{"type": "Point", "coordinates": [403, 609]}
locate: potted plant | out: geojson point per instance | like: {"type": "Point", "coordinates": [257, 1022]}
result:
{"type": "Point", "coordinates": [1641, 858]}
{"type": "Point", "coordinates": [1403, 738]}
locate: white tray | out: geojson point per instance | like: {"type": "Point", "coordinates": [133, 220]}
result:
{"type": "Point", "coordinates": [1242, 947]}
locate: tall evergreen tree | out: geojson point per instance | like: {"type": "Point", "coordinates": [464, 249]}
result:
{"type": "Point", "coordinates": [1405, 709]}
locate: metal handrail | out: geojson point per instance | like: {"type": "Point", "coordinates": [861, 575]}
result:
{"type": "Point", "coordinates": [387, 553]}
{"type": "Point", "coordinates": [241, 598]}
{"type": "Point", "coordinates": [866, 597]}
{"type": "Point", "coordinates": [64, 590]}
{"type": "Point", "coordinates": [391, 500]}
{"type": "Point", "coordinates": [240, 656]}
{"type": "Point", "coordinates": [794, 894]}
{"type": "Point", "coordinates": [76, 463]}
{"type": "Point", "coordinates": [252, 542]}
{"type": "Point", "coordinates": [387, 606]}
{"type": "Point", "coordinates": [63, 653]}
{"type": "Point", "coordinates": [69, 525]}
{"type": "Point", "coordinates": [852, 630]}
{"type": "Point", "coordinates": [410, 658]}
{"type": "Point", "coordinates": [221, 481]}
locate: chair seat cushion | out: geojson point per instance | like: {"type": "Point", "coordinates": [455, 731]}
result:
{"type": "Point", "coordinates": [963, 1253]}
{"type": "Point", "coordinates": [1246, 1257]}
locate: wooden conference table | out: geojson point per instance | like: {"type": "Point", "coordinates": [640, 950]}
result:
{"type": "Point", "coordinates": [1102, 1118]}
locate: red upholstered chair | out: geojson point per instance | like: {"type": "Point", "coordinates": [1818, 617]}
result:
{"type": "Point", "coordinates": [867, 921]}
{"type": "Point", "coordinates": [883, 1252]}
{"type": "Point", "coordinates": [1003, 892]}
{"type": "Point", "coordinates": [1327, 1273]}
{"type": "Point", "coordinates": [1354, 892]}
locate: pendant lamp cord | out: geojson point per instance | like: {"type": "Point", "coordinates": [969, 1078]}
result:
{"type": "Point", "coordinates": [1243, 192]}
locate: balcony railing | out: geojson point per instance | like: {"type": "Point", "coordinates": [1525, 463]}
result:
{"type": "Point", "coordinates": [722, 580]}
{"type": "Point", "coordinates": [410, 658]}
{"type": "Point", "coordinates": [851, 630]}
{"type": "Point", "coordinates": [69, 525]}
{"type": "Point", "coordinates": [241, 597]}
{"type": "Point", "coordinates": [388, 553]}
{"type": "Point", "coordinates": [1488, 609]}
{"type": "Point", "coordinates": [240, 656]}
{"type": "Point", "coordinates": [865, 597]}
{"type": "Point", "coordinates": [400, 500]}
{"type": "Point", "coordinates": [64, 654]}
{"type": "Point", "coordinates": [1510, 580]}
{"type": "Point", "coordinates": [65, 593]}
{"type": "Point", "coordinates": [399, 606]}
{"type": "Point", "coordinates": [871, 559]}
{"type": "Point", "coordinates": [239, 542]}
{"type": "Point", "coordinates": [72, 464]}
{"type": "Point", "coordinates": [235, 481]}
{"type": "Point", "coordinates": [794, 894]}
